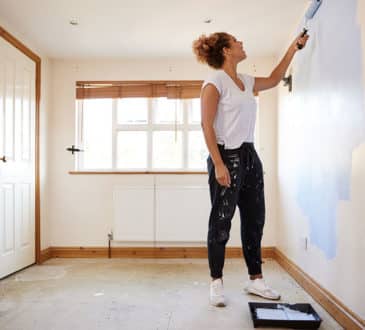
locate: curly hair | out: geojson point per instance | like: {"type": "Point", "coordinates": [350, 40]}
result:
{"type": "Point", "coordinates": [210, 49]}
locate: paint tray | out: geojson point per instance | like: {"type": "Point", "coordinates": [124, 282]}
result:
{"type": "Point", "coordinates": [295, 316]}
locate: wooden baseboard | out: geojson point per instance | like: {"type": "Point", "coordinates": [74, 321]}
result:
{"type": "Point", "coordinates": [343, 315]}
{"type": "Point", "coordinates": [45, 255]}
{"type": "Point", "coordinates": [145, 252]}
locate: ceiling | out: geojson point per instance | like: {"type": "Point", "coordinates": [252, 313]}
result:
{"type": "Point", "coordinates": [149, 28]}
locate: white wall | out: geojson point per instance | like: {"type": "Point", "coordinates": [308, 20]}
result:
{"type": "Point", "coordinates": [80, 207]}
{"type": "Point", "coordinates": [321, 154]}
{"type": "Point", "coordinates": [67, 217]}
{"type": "Point", "coordinates": [44, 111]}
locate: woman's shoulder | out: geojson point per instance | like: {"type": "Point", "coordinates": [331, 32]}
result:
{"type": "Point", "coordinates": [215, 75]}
{"type": "Point", "coordinates": [216, 78]}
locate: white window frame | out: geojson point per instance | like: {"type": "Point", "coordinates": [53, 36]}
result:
{"type": "Point", "coordinates": [185, 127]}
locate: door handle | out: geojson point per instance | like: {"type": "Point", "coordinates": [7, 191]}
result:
{"type": "Point", "coordinates": [3, 158]}
{"type": "Point", "coordinates": [73, 149]}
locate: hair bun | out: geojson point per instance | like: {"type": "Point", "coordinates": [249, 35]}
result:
{"type": "Point", "coordinates": [205, 46]}
{"type": "Point", "coordinates": [209, 49]}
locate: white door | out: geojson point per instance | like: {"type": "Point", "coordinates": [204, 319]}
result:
{"type": "Point", "coordinates": [17, 159]}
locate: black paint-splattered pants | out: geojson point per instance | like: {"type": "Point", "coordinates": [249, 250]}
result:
{"type": "Point", "coordinates": [247, 192]}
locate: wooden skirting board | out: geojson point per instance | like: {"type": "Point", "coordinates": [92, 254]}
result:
{"type": "Point", "coordinates": [142, 252]}
{"type": "Point", "coordinates": [45, 255]}
{"type": "Point", "coordinates": [343, 315]}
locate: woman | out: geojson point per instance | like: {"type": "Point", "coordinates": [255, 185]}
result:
{"type": "Point", "coordinates": [235, 171]}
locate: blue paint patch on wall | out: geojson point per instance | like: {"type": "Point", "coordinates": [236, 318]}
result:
{"type": "Point", "coordinates": [328, 116]}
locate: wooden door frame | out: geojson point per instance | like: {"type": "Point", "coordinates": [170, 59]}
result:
{"type": "Point", "coordinates": [26, 51]}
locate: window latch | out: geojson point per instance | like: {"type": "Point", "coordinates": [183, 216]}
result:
{"type": "Point", "coordinates": [73, 149]}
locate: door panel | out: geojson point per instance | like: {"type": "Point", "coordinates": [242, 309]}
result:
{"type": "Point", "coordinates": [9, 109]}
{"type": "Point", "coordinates": [17, 174]}
{"type": "Point", "coordinates": [25, 219]}
{"type": "Point", "coordinates": [9, 225]}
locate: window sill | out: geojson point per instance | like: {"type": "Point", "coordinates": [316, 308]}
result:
{"type": "Point", "coordinates": [134, 172]}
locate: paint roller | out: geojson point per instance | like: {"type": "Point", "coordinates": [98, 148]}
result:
{"type": "Point", "coordinates": [309, 15]}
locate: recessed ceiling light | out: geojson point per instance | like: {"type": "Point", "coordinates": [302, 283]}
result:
{"type": "Point", "coordinates": [208, 20]}
{"type": "Point", "coordinates": [74, 22]}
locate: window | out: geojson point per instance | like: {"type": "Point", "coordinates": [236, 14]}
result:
{"type": "Point", "coordinates": [140, 134]}
{"type": "Point", "coordinates": [140, 129]}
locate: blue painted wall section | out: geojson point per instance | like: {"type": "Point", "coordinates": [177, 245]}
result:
{"type": "Point", "coordinates": [328, 113]}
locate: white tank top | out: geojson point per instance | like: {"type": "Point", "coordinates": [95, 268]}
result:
{"type": "Point", "coordinates": [236, 113]}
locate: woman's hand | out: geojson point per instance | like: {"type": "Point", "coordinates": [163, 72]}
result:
{"type": "Point", "coordinates": [222, 175]}
{"type": "Point", "coordinates": [300, 41]}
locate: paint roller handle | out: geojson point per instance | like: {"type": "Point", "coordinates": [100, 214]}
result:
{"type": "Point", "coordinates": [300, 46]}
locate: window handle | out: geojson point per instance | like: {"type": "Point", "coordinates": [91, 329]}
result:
{"type": "Point", "coordinates": [73, 149]}
{"type": "Point", "coordinates": [3, 158]}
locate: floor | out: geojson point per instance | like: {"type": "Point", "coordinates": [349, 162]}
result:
{"type": "Point", "coordinates": [138, 294]}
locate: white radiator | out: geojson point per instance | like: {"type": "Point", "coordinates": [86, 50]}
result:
{"type": "Point", "coordinates": [182, 213]}
{"type": "Point", "coordinates": [164, 213]}
{"type": "Point", "coordinates": [133, 213]}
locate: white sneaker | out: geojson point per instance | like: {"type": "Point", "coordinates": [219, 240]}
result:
{"type": "Point", "coordinates": [217, 293]}
{"type": "Point", "coordinates": [260, 288]}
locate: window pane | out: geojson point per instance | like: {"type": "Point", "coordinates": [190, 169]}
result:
{"type": "Point", "coordinates": [197, 151]}
{"type": "Point", "coordinates": [167, 111]}
{"type": "Point", "coordinates": [97, 133]}
{"type": "Point", "coordinates": [194, 111]}
{"type": "Point", "coordinates": [167, 150]}
{"type": "Point", "coordinates": [132, 110]}
{"type": "Point", "coordinates": [132, 150]}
